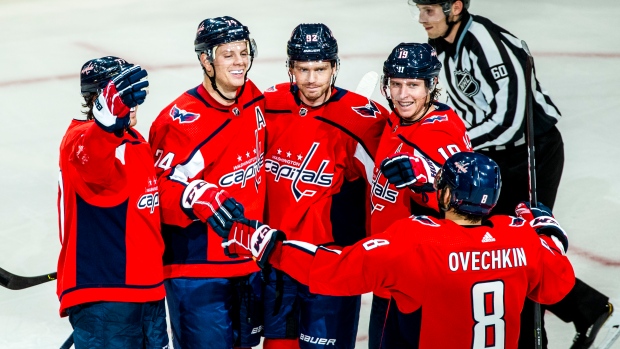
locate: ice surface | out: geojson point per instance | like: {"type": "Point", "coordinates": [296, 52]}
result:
{"type": "Point", "coordinates": [43, 44]}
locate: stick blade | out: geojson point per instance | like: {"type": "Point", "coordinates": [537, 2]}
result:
{"type": "Point", "coordinates": [367, 84]}
{"type": "Point", "coordinates": [16, 282]}
{"type": "Point", "coordinates": [613, 331]}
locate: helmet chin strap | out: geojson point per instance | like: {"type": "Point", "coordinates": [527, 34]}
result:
{"type": "Point", "coordinates": [402, 120]}
{"type": "Point", "coordinates": [328, 93]}
{"type": "Point", "coordinates": [450, 25]}
{"type": "Point", "coordinates": [214, 84]}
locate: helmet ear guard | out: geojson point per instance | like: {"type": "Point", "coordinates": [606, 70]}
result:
{"type": "Point", "coordinates": [210, 52]}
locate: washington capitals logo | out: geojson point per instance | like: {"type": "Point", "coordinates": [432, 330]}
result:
{"type": "Point", "coordinates": [301, 173]}
{"type": "Point", "coordinates": [382, 190]}
{"type": "Point", "coordinates": [435, 118]}
{"type": "Point", "coordinates": [424, 220]}
{"type": "Point", "coordinates": [86, 70]}
{"type": "Point", "coordinates": [182, 115]}
{"type": "Point", "coordinates": [370, 110]}
{"type": "Point", "coordinates": [461, 167]}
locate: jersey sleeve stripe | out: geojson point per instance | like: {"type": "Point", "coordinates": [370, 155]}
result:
{"type": "Point", "coordinates": [192, 165]}
{"type": "Point", "coordinates": [369, 164]}
{"type": "Point", "coordinates": [417, 149]}
{"type": "Point", "coordinates": [359, 141]}
{"type": "Point", "coordinates": [307, 247]}
{"type": "Point", "coordinates": [276, 111]}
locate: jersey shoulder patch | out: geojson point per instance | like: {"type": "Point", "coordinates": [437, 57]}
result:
{"type": "Point", "coordinates": [435, 118]}
{"type": "Point", "coordinates": [182, 116]}
{"type": "Point", "coordinates": [425, 220]}
{"type": "Point", "coordinates": [369, 110]}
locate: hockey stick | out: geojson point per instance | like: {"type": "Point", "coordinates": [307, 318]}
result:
{"type": "Point", "coordinates": [367, 84]}
{"type": "Point", "coordinates": [16, 282]}
{"type": "Point", "coordinates": [68, 343]}
{"type": "Point", "coordinates": [612, 336]}
{"type": "Point", "coordinates": [531, 164]}
{"type": "Point", "coordinates": [613, 333]}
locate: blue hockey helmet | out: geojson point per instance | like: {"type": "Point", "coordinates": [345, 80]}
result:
{"type": "Point", "coordinates": [412, 61]}
{"type": "Point", "coordinates": [474, 181]}
{"type": "Point", "coordinates": [96, 73]}
{"type": "Point", "coordinates": [216, 31]}
{"type": "Point", "coordinates": [312, 42]}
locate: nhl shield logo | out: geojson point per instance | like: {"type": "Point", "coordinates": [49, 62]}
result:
{"type": "Point", "coordinates": [466, 83]}
{"type": "Point", "coordinates": [303, 112]}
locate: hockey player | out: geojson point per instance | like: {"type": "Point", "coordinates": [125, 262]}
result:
{"type": "Point", "coordinates": [484, 76]}
{"type": "Point", "coordinates": [110, 274]}
{"type": "Point", "coordinates": [209, 145]}
{"type": "Point", "coordinates": [420, 135]}
{"type": "Point", "coordinates": [468, 275]}
{"type": "Point", "coordinates": [321, 145]}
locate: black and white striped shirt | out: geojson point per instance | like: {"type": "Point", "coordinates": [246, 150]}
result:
{"type": "Point", "coordinates": [484, 76]}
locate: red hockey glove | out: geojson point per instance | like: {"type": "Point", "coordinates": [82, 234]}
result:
{"type": "Point", "coordinates": [404, 170]}
{"type": "Point", "coordinates": [542, 220]}
{"type": "Point", "coordinates": [212, 205]}
{"type": "Point", "coordinates": [252, 239]}
{"type": "Point", "coordinates": [125, 91]}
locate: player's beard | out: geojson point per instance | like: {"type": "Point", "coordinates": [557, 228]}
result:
{"type": "Point", "coordinates": [316, 96]}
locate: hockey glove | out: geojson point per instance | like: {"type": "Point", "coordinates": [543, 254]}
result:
{"type": "Point", "coordinates": [404, 170]}
{"type": "Point", "coordinates": [125, 91]}
{"type": "Point", "coordinates": [211, 205]}
{"type": "Point", "coordinates": [130, 85]}
{"type": "Point", "coordinates": [250, 238]}
{"type": "Point", "coordinates": [542, 220]}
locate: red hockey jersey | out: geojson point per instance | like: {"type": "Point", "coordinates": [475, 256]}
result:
{"type": "Point", "coordinates": [195, 137]}
{"type": "Point", "coordinates": [318, 163]}
{"type": "Point", "coordinates": [109, 219]}
{"type": "Point", "coordinates": [469, 281]}
{"type": "Point", "coordinates": [434, 138]}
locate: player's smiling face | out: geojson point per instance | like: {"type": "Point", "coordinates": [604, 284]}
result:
{"type": "Point", "coordinates": [313, 80]}
{"type": "Point", "coordinates": [410, 97]}
{"type": "Point", "coordinates": [231, 62]}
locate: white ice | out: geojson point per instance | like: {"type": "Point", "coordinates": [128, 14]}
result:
{"type": "Point", "coordinates": [43, 44]}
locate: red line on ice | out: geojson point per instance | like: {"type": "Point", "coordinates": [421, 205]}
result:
{"type": "Point", "coordinates": [29, 81]}
{"type": "Point", "coordinates": [608, 262]}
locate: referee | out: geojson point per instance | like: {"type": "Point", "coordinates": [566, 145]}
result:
{"type": "Point", "coordinates": [484, 76]}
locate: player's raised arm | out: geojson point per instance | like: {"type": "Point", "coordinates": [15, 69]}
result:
{"type": "Point", "coordinates": [96, 150]}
